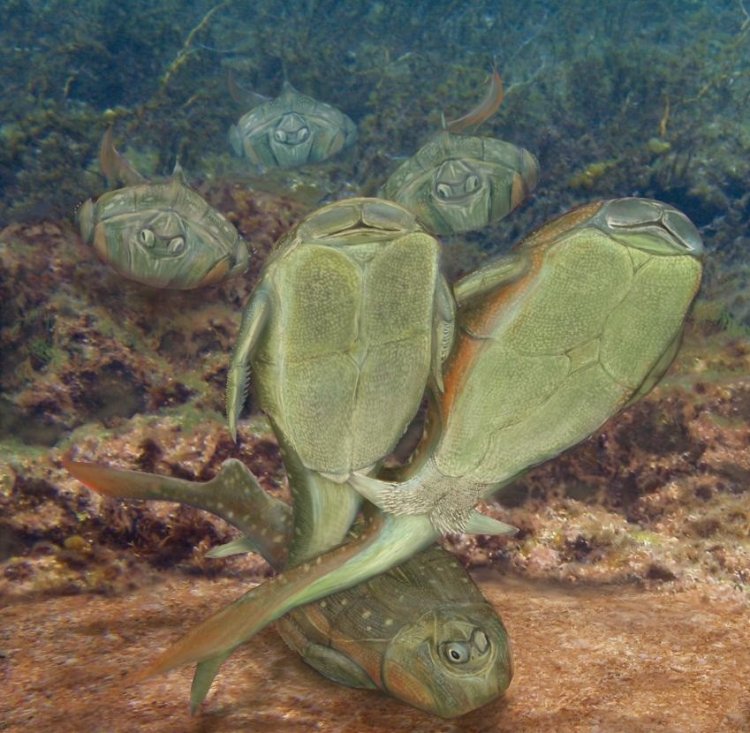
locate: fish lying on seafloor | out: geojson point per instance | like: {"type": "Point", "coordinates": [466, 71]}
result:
{"type": "Point", "coordinates": [422, 632]}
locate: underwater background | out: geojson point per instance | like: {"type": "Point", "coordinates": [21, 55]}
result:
{"type": "Point", "coordinates": [626, 590]}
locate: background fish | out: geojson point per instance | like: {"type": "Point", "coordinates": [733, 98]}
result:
{"type": "Point", "coordinates": [160, 234]}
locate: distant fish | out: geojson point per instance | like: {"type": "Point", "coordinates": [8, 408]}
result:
{"type": "Point", "coordinates": [484, 110]}
{"type": "Point", "coordinates": [291, 131]}
{"type": "Point", "coordinates": [161, 234]}
{"type": "Point", "coordinates": [461, 182]}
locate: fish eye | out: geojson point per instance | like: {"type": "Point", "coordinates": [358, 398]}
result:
{"type": "Point", "coordinates": [303, 134]}
{"type": "Point", "coordinates": [443, 191]}
{"type": "Point", "coordinates": [146, 237]}
{"type": "Point", "coordinates": [456, 652]}
{"type": "Point", "coordinates": [280, 136]}
{"type": "Point", "coordinates": [472, 183]}
{"type": "Point", "coordinates": [176, 245]}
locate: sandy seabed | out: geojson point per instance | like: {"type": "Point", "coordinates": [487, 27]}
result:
{"type": "Point", "coordinates": [605, 659]}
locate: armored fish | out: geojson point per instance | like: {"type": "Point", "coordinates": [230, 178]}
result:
{"type": "Point", "coordinates": [291, 130]}
{"type": "Point", "coordinates": [422, 632]}
{"type": "Point", "coordinates": [160, 234]}
{"type": "Point", "coordinates": [595, 322]}
{"type": "Point", "coordinates": [350, 319]}
{"type": "Point", "coordinates": [460, 183]}
{"type": "Point", "coordinates": [580, 321]}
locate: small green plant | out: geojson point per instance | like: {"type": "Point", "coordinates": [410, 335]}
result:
{"type": "Point", "coordinates": [731, 325]}
{"type": "Point", "coordinates": [41, 352]}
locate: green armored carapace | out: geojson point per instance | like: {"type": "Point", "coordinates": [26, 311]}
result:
{"type": "Point", "coordinates": [460, 183]}
{"type": "Point", "coordinates": [593, 324]}
{"type": "Point", "coordinates": [350, 318]}
{"type": "Point", "coordinates": [160, 234]}
{"type": "Point", "coordinates": [580, 321]}
{"type": "Point", "coordinates": [291, 130]}
{"type": "Point", "coordinates": [421, 632]}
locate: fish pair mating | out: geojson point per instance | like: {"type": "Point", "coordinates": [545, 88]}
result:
{"type": "Point", "coordinates": [322, 516]}
{"type": "Point", "coordinates": [579, 321]}
{"type": "Point", "coordinates": [428, 609]}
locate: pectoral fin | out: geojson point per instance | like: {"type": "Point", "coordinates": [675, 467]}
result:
{"type": "Point", "coordinates": [372, 489]}
{"type": "Point", "coordinates": [253, 320]}
{"type": "Point", "coordinates": [240, 546]}
{"type": "Point", "coordinates": [444, 328]}
{"type": "Point", "coordinates": [482, 524]}
{"type": "Point", "coordinates": [336, 666]}
{"type": "Point", "coordinates": [497, 273]}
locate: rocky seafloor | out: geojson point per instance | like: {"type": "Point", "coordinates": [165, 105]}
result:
{"type": "Point", "coordinates": [625, 591]}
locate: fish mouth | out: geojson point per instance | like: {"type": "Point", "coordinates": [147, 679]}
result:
{"type": "Point", "coordinates": [457, 198]}
{"type": "Point", "coordinates": [463, 211]}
